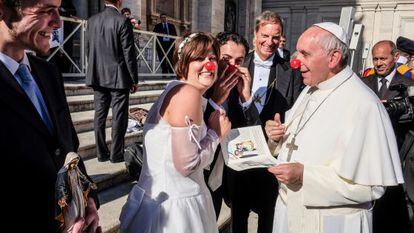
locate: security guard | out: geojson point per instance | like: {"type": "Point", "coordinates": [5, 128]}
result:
{"type": "Point", "coordinates": [405, 62]}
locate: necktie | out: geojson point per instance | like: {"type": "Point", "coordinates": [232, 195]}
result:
{"type": "Point", "coordinates": [31, 89]}
{"type": "Point", "coordinates": [383, 89]}
{"type": "Point", "coordinates": [166, 29]}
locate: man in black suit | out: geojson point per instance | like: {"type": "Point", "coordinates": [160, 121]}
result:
{"type": "Point", "coordinates": [283, 53]}
{"type": "Point", "coordinates": [233, 50]}
{"type": "Point", "coordinates": [37, 130]}
{"type": "Point", "coordinates": [112, 73]}
{"type": "Point", "coordinates": [166, 43]}
{"type": "Point", "coordinates": [390, 211]}
{"type": "Point", "coordinates": [273, 90]}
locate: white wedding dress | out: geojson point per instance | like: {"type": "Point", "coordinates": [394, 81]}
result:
{"type": "Point", "coordinates": [164, 200]}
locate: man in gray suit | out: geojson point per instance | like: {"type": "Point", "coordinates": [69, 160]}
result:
{"type": "Point", "coordinates": [112, 73]}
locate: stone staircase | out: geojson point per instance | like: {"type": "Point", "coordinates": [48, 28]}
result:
{"type": "Point", "coordinates": [112, 180]}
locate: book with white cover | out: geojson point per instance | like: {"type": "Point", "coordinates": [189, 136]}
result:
{"type": "Point", "coordinates": [246, 148]}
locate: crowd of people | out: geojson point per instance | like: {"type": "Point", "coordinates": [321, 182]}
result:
{"type": "Point", "coordinates": [343, 156]}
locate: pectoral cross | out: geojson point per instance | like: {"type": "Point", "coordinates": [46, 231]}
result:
{"type": "Point", "coordinates": [292, 146]}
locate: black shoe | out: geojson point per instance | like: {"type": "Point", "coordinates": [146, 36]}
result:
{"type": "Point", "coordinates": [117, 160]}
{"type": "Point", "coordinates": [103, 159]}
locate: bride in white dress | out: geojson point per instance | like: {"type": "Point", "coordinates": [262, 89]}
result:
{"type": "Point", "coordinates": [171, 194]}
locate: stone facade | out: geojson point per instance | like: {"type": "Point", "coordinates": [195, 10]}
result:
{"type": "Point", "coordinates": [382, 19]}
{"type": "Point", "coordinates": [207, 15]}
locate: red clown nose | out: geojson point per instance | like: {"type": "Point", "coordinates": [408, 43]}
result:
{"type": "Point", "coordinates": [295, 63]}
{"type": "Point", "coordinates": [210, 66]}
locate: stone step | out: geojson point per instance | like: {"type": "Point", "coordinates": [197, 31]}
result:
{"type": "Point", "coordinates": [73, 89]}
{"type": "Point", "coordinates": [106, 174]}
{"type": "Point", "coordinates": [87, 145]}
{"type": "Point", "coordinates": [83, 121]}
{"type": "Point", "coordinates": [112, 201]}
{"type": "Point", "coordinates": [114, 198]}
{"type": "Point", "coordinates": [85, 102]}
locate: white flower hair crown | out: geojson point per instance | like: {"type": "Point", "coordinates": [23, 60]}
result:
{"type": "Point", "coordinates": [184, 42]}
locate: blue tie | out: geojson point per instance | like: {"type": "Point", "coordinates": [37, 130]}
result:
{"type": "Point", "coordinates": [26, 81]}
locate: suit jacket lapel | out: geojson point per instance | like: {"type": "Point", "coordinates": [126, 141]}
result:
{"type": "Point", "coordinates": [16, 98]}
{"type": "Point", "coordinates": [372, 83]}
{"type": "Point", "coordinates": [248, 62]}
{"type": "Point", "coordinates": [283, 78]}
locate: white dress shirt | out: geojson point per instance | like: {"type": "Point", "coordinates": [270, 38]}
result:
{"type": "Point", "coordinates": [260, 82]}
{"type": "Point", "coordinates": [13, 65]}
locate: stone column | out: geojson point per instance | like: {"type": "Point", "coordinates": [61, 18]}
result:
{"type": "Point", "coordinates": [208, 16]}
{"type": "Point", "coordinates": [143, 13]}
{"type": "Point", "coordinates": [193, 6]}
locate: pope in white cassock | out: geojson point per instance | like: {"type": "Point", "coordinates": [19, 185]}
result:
{"type": "Point", "coordinates": [338, 143]}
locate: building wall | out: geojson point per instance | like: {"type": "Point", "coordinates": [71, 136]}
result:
{"type": "Point", "coordinates": [382, 19]}
{"type": "Point", "coordinates": [136, 10]}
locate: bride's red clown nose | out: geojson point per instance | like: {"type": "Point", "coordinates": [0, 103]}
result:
{"type": "Point", "coordinates": [210, 66]}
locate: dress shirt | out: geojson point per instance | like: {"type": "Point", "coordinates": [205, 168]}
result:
{"type": "Point", "coordinates": [280, 51]}
{"type": "Point", "coordinates": [260, 82]}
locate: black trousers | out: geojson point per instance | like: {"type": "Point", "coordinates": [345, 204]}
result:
{"type": "Point", "coordinates": [390, 214]}
{"type": "Point", "coordinates": [251, 190]}
{"type": "Point", "coordinates": [165, 66]}
{"type": "Point", "coordinates": [117, 99]}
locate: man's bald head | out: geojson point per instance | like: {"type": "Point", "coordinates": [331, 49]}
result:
{"type": "Point", "coordinates": [386, 44]}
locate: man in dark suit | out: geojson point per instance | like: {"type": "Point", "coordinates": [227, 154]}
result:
{"type": "Point", "coordinates": [233, 49]}
{"type": "Point", "coordinates": [384, 57]}
{"type": "Point", "coordinates": [283, 53]}
{"type": "Point", "coordinates": [167, 43]}
{"type": "Point", "coordinates": [37, 130]}
{"type": "Point", "coordinates": [390, 211]}
{"type": "Point", "coordinates": [112, 73]}
{"type": "Point", "coordinates": [273, 90]}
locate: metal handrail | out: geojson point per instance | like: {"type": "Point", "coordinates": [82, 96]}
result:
{"type": "Point", "coordinates": [147, 55]}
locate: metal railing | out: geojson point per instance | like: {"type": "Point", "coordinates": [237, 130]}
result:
{"type": "Point", "coordinates": [147, 54]}
{"type": "Point", "coordinates": [146, 44]}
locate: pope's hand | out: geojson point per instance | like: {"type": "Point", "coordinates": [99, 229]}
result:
{"type": "Point", "coordinates": [288, 173]}
{"type": "Point", "coordinates": [274, 128]}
